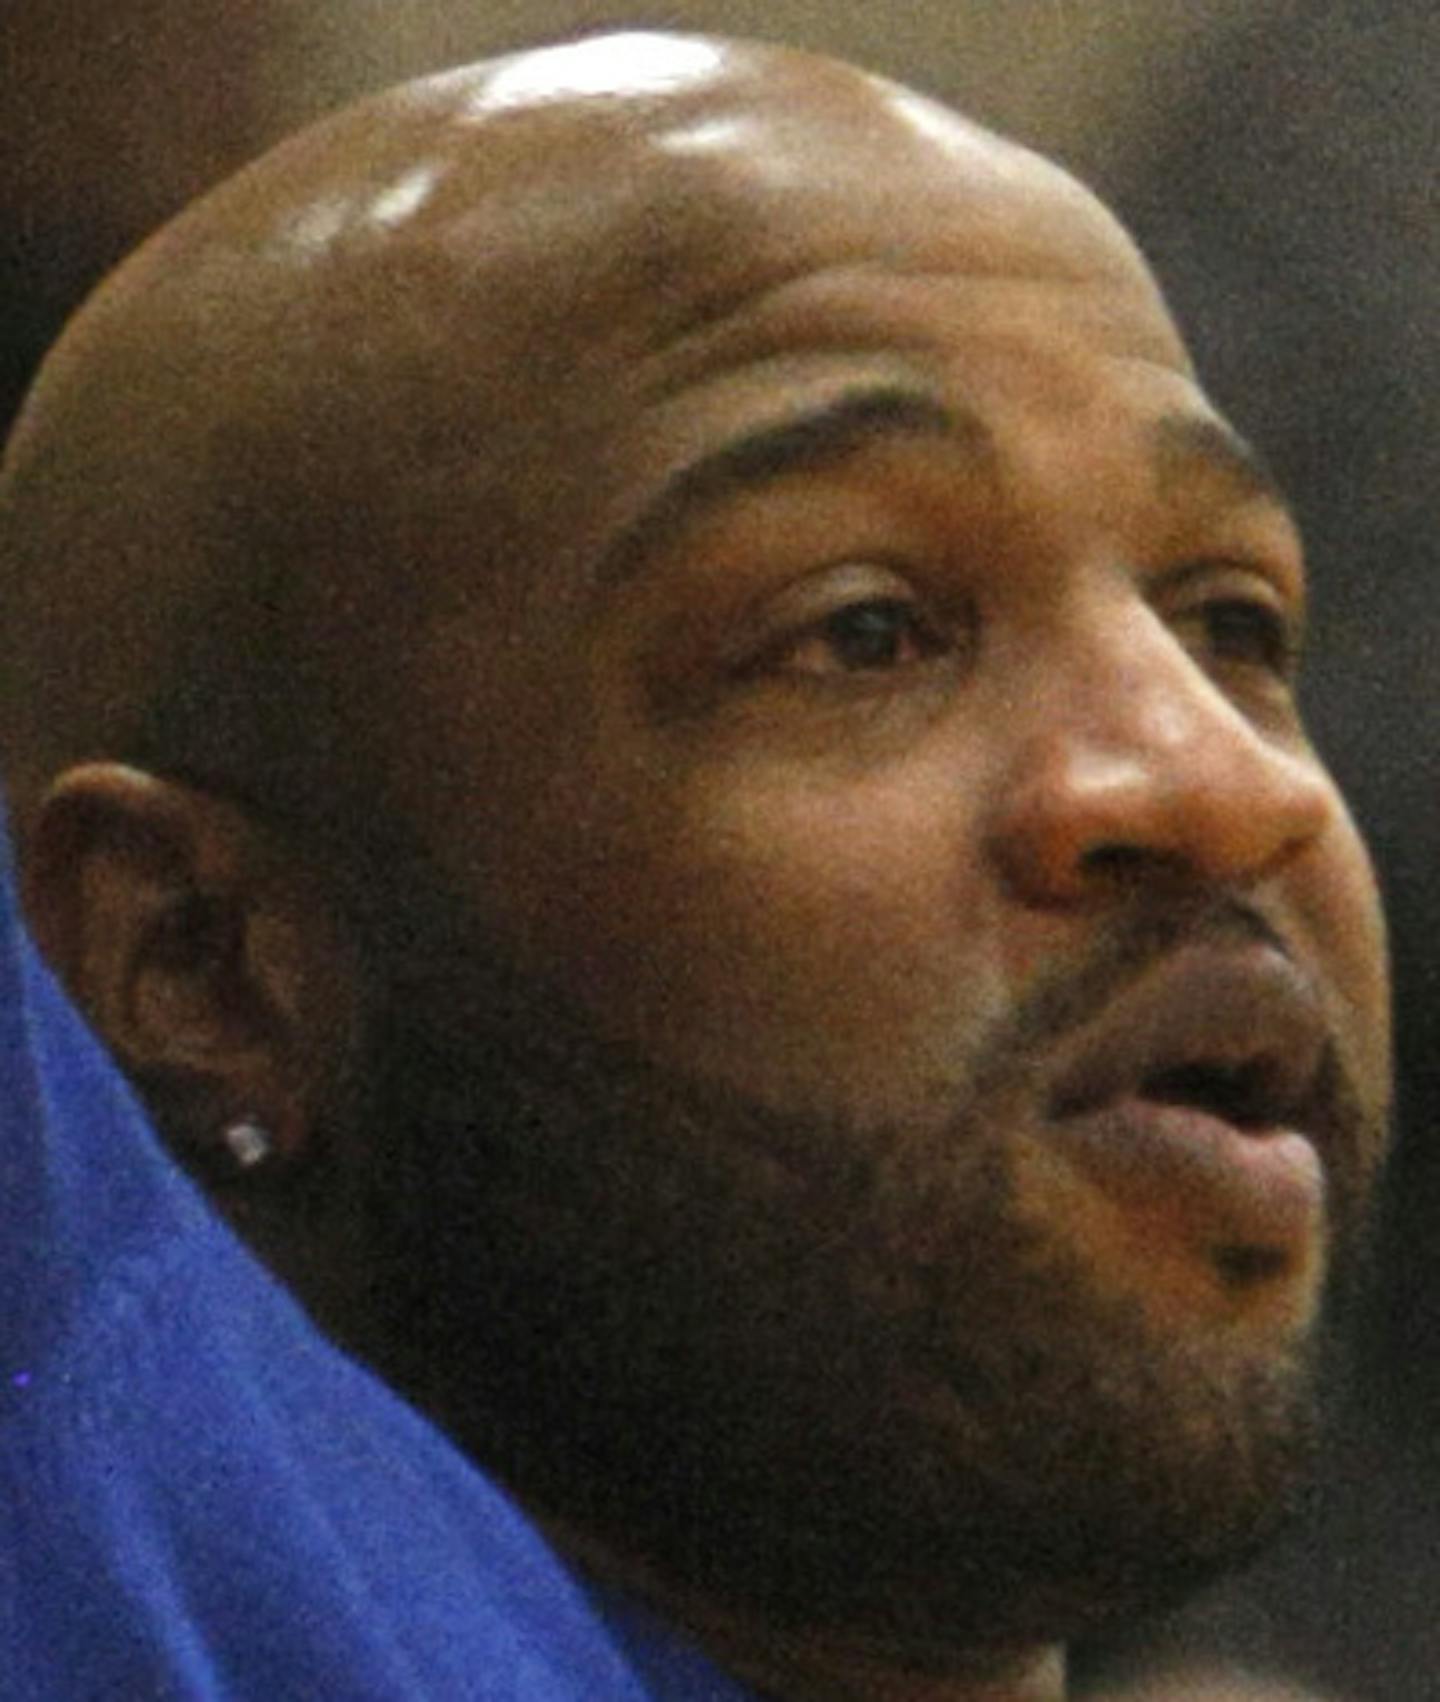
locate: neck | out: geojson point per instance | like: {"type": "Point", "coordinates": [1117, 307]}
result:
{"type": "Point", "coordinates": [802, 1669]}
{"type": "Point", "coordinates": [796, 1666]}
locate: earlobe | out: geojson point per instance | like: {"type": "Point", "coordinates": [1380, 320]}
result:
{"type": "Point", "coordinates": [196, 949]}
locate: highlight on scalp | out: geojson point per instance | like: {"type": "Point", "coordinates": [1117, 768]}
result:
{"type": "Point", "coordinates": [231, 467]}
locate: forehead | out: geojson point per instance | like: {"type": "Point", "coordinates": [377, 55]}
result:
{"type": "Point", "coordinates": [1009, 304]}
{"type": "Point", "coordinates": [1022, 345]}
{"type": "Point", "coordinates": [645, 283]}
{"type": "Point", "coordinates": [626, 218]}
{"type": "Point", "coordinates": [741, 205]}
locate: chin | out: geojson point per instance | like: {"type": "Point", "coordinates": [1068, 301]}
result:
{"type": "Point", "coordinates": [811, 1498]}
{"type": "Point", "coordinates": [1034, 1498]}
{"type": "Point", "coordinates": [859, 1400]}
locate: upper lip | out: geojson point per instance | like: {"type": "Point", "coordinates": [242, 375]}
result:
{"type": "Point", "coordinates": [1235, 1031]}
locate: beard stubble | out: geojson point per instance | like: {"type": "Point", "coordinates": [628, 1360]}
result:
{"type": "Point", "coordinates": [796, 1362]}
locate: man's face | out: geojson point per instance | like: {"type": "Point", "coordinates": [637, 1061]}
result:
{"type": "Point", "coordinates": [955, 999]}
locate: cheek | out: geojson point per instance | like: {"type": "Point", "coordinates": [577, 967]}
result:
{"type": "Point", "coordinates": [1335, 894]}
{"type": "Point", "coordinates": [806, 942]}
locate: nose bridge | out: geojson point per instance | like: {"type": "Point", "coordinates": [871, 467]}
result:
{"type": "Point", "coordinates": [1133, 703]}
{"type": "Point", "coordinates": [1129, 758]}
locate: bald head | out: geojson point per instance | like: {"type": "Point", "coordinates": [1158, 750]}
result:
{"type": "Point", "coordinates": [747, 556]}
{"type": "Point", "coordinates": [374, 377]}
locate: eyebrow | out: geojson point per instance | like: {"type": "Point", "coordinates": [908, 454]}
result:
{"type": "Point", "coordinates": [821, 437]}
{"type": "Point", "coordinates": [1191, 444]}
{"type": "Point", "coordinates": [829, 434]}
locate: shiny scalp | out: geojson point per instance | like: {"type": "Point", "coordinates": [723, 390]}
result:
{"type": "Point", "coordinates": [227, 472]}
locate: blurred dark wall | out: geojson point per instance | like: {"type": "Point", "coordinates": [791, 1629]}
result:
{"type": "Point", "coordinates": [111, 118]}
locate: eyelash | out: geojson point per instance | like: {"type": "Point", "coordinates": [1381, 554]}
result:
{"type": "Point", "coordinates": [1247, 632]}
{"type": "Point", "coordinates": [883, 634]}
{"type": "Point", "coordinates": [881, 637]}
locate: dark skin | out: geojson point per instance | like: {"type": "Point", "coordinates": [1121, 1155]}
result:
{"type": "Point", "coordinates": [699, 716]}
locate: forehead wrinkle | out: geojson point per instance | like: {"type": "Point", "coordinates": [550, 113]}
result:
{"type": "Point", "coordinates": [857, 295]}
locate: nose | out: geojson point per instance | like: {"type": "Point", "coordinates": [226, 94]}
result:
{"type": "Point", "coordinates": [1137, 767]}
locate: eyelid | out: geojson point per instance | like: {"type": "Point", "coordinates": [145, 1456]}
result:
{"type": "Point", "coordinates": [1233, 579]}
{"type": "Point", "coordinates": [810, 599]}
{"type": "Point", "coordinates": [864, 576]}
{"type": "Point", "coordinates": [1286, 586]}
{"type": "Point", "coordinates": [1202, 589]}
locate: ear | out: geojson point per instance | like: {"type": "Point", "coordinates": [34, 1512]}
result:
{"type": "Point", "coordinates": [200, 949]}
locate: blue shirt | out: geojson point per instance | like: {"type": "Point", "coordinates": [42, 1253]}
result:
{"type": "Point", "coordinates": [202, 1497]}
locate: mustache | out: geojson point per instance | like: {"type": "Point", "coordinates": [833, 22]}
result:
{"type": "Point", "coordinates": [1067, 996]}
{"type": "Point", "coordinates": [531, 1043]}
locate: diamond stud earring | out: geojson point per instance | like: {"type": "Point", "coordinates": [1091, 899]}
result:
{"type": "Point", "coordinates": [248, 1142]}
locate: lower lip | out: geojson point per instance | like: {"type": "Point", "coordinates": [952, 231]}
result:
{"type": "Point", "coordinates": [1252, 1197]}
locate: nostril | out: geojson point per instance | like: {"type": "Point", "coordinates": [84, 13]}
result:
{"type": "Point", "coordinates": [1128, 865]}
{"type": "Point", "coordinates": [1115, 860]}
{"type": "Point", "coordinates": [1248, 1267]}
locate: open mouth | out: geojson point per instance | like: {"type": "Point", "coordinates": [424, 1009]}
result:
{"type": "Point", "coordinates": [1190, 1104]}
{"type": "Point", "coordinates": [1245, 1095]}
{"type": "Point", "coordinates": [1235, 1034]}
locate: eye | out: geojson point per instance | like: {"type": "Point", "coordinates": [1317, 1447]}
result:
{"type": "Point", "coordinates": [1249, 632]}
{"type": "Point", "coordinates": [869, 635]}
{"type": "Point", "coordinates": [1237, 621]}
